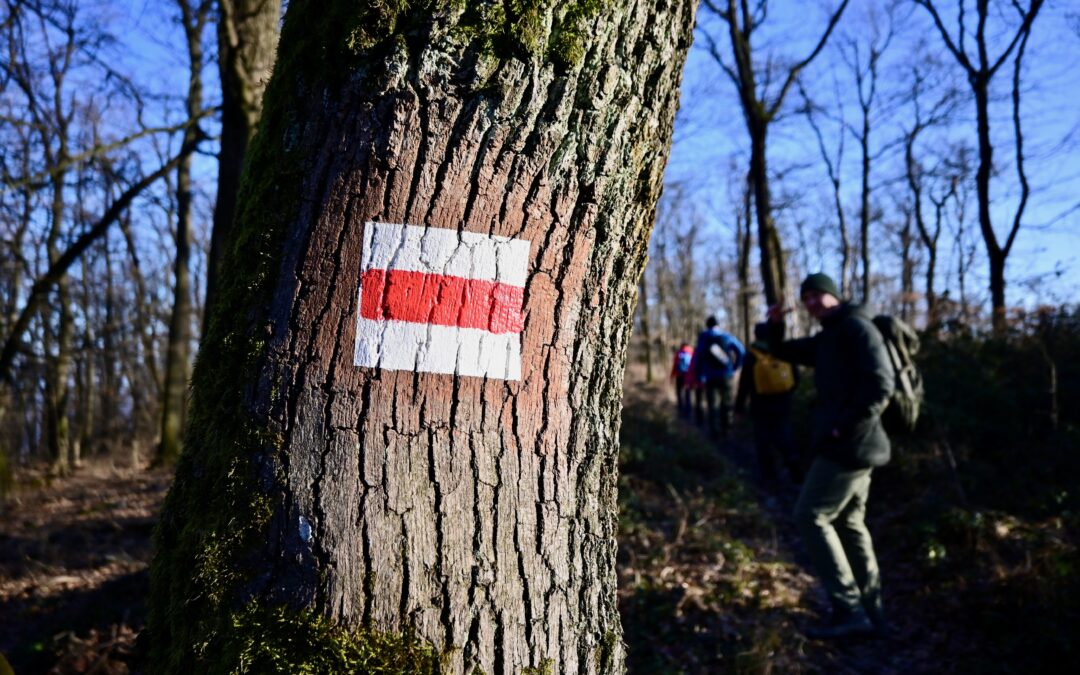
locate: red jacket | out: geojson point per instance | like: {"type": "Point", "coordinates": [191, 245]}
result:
{"type": "Point", "coordinates": [684, 356]}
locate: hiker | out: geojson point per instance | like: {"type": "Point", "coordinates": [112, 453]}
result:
{"type": "Point", "coordinates": [717, 358]}
{"type": "Point", "coordinates": [680, 374]}
{"type": "Point", "coordinates": [854, 381]}
{"type": "Point", "coordinates": [768, 385]}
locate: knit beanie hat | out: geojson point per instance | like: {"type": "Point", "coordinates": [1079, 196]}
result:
{"type": "Point", "coordinates": [819, 282]}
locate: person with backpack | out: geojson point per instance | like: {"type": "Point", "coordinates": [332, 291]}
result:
{"type": "Point", "coordinates": [680, 373]}
{"type": "Point", "coordinates": [718, 356]}
{"type": "Point", "coordinates": [768, 385]}
{"type": "Point", "coordinates": [854, 382]}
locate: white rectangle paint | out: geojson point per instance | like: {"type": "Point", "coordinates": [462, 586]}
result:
{"type": "Point", "coordinates": [425, 347]}
{"type": "Point", "coordinates": [437, 250]}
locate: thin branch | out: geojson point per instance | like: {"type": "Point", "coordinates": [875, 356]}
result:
{"type": "Point", "coordinates": [794, 72]}
{"type": "Point", "coordinates": [957, 52]}
{"type": "Point", "coordinates": [40, 290]}
{"type": "Point", "coordinates": [97, 151]}
{"type": "Point", "coordinates": [1025, 189]}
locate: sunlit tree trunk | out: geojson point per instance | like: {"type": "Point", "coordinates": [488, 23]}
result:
{"type": "Point", "coordinates": [477, 510]}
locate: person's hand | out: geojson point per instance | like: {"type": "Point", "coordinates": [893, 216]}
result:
{"type": "Point", "coordinates": [776, 312]}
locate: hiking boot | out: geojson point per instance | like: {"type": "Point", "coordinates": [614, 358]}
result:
{"type": "Point", "coordinates": [876, 613]}
{"type": "Point", "coordinates": [843, 625]}
{"type": "Point", "coordinates": [882, 627]}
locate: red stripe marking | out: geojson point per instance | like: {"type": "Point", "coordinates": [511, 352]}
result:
{"type": "Point", "coordinates": [442, 300]}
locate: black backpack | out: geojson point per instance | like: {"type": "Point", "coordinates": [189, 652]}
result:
{"type": "Point", "coordinates": [902, 343]}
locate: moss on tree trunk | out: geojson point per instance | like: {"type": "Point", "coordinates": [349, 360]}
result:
{"type": "Point", "coordinates": [476, 516]}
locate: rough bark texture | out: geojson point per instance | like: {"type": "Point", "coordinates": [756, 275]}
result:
{"type": "Point", "coordinates": [481, 513]}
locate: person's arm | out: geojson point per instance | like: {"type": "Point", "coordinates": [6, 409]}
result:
{"type": "Point", "coordinates": [873, 376]}
{"type": "Point", "coordinates": [802, 351]}
{"type": "Point", "coordinates": [740, 353]}
{"type": "Point", "coordinates": [746, 385]}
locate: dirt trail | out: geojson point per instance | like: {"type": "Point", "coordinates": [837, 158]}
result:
{"type": "Point", "coordinates": [74, 554]}
{"type": "Point", "coordinates": [758, 628]}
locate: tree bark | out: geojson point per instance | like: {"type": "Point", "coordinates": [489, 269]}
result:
{"type": "Point", "coordinates": [745, 238]}
{"type": "Point", "coordinates": [247, 39]}
{"type": "Point", "coordinates": [773, 265]}
{"type": "Point", "coordinates": [58, 366]}
{"type": "Point", "coordinates": [478, 512]}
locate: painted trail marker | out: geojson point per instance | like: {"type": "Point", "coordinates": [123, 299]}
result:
{"type": "Point", "coordinates": [436, 300]}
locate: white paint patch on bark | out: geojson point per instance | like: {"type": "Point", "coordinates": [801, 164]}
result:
{"type": "Point", "coordinates": [429, 323]}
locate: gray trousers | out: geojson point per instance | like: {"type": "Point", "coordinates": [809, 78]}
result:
{"type": "Point", "coordinates": [830, 515]}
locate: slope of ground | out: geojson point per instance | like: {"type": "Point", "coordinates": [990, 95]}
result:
{"type": "Point", "coordinates": [713, 578]}
{"type": "Point", "coordinates": [711, 573]}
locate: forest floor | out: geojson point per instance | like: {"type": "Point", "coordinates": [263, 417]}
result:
{"type": "Point", "coordinates": [712, 577]}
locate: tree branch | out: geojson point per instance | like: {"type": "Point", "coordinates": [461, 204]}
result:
{"type": "Point", "coordinates": [794, 72]}
{"type": "Point", "coordinates": [39, 291]}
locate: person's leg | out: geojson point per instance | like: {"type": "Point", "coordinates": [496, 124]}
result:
{"type": "Point", "coordinates": [826, 492]}
{"type": "Point", "coordinates": [859, 550]}
{"type": "Point", "coordinates": [699, 394]}
{"type": "Point", "coordinates": [711, 387]}
{"type": "Point", "coordinates": [727, 403]}
{"type": "Point", "coordinates": [763, 443]}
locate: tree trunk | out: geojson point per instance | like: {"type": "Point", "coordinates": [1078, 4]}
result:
{"type": "Point", "coordinates": [247, 39]}
{"type": "Point", "coordinates": [745, 239]}
{"type": "Point", "coordinates": [907, 271]}
{"type": "Point", "coordinates": [772, 255]}
{"type": "Point", "coordinates": [315, 495]}
{"type": "Point", "coordinates": [58, 368]}
{"type": "Point", "coordinates": [864, 205]}
{"type": "Point", "coordinates": [178, 352]}
{"type": "Point", "coordinates": [646, 334]}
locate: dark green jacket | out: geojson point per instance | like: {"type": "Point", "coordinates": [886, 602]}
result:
{"type": "Point", "coordinates": [854, 381]}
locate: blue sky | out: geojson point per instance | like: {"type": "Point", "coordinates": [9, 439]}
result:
{"type": "Point", "coordinates": [1045, 263]}
{"type": "Point", "coordinates": [710, 137]}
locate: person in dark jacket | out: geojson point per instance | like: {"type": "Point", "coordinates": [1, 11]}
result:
{"type": "Point", "coordinates": [854, 381]}
{"type": "Point", "coordinates": [718, 356]}
{"type": "Point", "coordinates": [770, 408]}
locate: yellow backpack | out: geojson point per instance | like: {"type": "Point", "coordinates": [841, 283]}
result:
{"type": "Point", "coordinates": [771, 375]}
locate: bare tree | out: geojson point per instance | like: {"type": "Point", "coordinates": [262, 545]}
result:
{"type": "Point", "coordinates": [760, 108]}
{"type": "Point", "coordinates": [980, 70]}
{"type": "Point", "coordinates": [865, 69]}
{"type": "Point", "coordinates": [194, 15]}
{"type": "Point", "coordinates": [928, 182]}
{"type": "Point", "coordinates": [834, 163]}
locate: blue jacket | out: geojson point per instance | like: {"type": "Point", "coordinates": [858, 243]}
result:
{"type": "Point", "coordinates": [705, 367]}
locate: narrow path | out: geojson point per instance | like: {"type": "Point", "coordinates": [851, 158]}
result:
{"type": "Point", "coordinates": [768, 635]}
